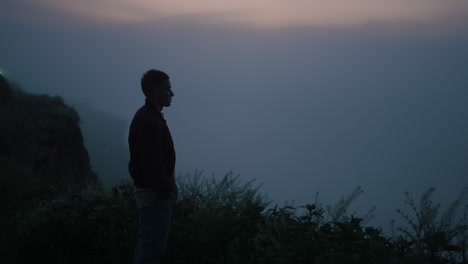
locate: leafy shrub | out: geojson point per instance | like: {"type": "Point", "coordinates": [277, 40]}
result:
{"type": "Point", "coordinates": [285, 237]}
{"type": "Point", "coordinates": [219, 221]}
{"type": "Point", "coordinates": [75, 226]}
{"type": "Point", "coordinates": [214, 220]}
{"type": "Point", "coordinates": [431, 237]}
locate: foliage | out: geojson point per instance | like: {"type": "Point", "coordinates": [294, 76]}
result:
{"type": "Point", "coordinates": [214, 219]}
{"type": "Point", "coordinates": [217, 221]}
{"type": "Point", "coordinates": [74, 226]}
{"type": "Point", "coordinates": [432, 237]}
{"type": "Point", "coordinates": [286, 237]}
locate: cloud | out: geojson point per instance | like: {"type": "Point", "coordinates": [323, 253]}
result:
{"type": "Point", "coordinates": [264, 13]}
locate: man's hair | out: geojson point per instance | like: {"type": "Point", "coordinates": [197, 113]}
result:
{"type": "Point", "coordinates": [152, 79]}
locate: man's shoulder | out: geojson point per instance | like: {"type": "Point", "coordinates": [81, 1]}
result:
{"type": "Point", "coordinates": [147, 111]}
{"type": "Point", "coordinates": [146, 115]}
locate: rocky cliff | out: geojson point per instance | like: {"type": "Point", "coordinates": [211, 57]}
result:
{"type": "Point", "coordinates": [40, 138]}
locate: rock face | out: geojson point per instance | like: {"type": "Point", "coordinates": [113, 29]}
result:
{"type": "Point", "coordinates": [40, 137]}
{"type": "Point", "coordinates": [5, 92]}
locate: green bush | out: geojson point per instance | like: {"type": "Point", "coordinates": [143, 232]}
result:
{"type": "Point", "coordinates": [431, 237]}
{"type": "Point", "coordinates": [214, 220]}
{"type": "Point", "coordinates": [285, 237]}
{"type": "Point", "coordinates": [87, 226]}
{"type": "Point", "coordinates": [218, 221]}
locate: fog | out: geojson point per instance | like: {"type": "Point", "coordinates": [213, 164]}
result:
{"type": "Point", "coordinates": [301, 109]}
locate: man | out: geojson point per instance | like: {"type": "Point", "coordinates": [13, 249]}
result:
{"type": "Point", "coordinates": [152, 162]}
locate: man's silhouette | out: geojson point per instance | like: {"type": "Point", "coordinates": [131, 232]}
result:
{"type": "Point", "coordinates": [152, 162]}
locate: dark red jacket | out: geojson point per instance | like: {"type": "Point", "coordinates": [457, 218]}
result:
{"type": "Point", "coordinates": [152, 155]}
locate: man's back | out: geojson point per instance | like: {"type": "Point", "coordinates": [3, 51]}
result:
{"type": "Point", "coordinates": [152, 154]}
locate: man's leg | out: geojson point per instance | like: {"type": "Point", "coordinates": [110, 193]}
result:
{"type": "Point", "coordinates": [153, 232]}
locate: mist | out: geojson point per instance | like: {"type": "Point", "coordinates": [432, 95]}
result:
{"type": "Point", "coordinates": [300, 109]}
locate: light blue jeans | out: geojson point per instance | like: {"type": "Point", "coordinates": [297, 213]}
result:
{"type": "Point", "coordinates": [153, 231]}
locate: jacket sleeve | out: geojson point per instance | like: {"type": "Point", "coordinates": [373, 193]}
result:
{"type": "Point", "coordinates": [150, 148]}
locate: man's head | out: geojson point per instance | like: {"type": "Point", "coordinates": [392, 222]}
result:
{"type": "Point", "coordinates": [157, 87]}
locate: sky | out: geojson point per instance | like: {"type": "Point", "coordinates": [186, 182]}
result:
{"type": "Point", "coordinates": [303, 96]}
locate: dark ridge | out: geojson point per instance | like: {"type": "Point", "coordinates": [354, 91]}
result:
{"type": "Point", "coordinates": [5, 92]}
{"type": "Point", "coordinates": [41, 138]}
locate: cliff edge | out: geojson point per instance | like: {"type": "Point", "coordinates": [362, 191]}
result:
{"type": "Point", "coordinates": [40, 141]}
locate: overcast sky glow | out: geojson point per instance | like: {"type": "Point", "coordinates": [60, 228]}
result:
{"type": "Point", "coordinates": [265, 13]}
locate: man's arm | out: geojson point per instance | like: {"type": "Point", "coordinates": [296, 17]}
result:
{"type": "Point", "coordinates": [151, 152]}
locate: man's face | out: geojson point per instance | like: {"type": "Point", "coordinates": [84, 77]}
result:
{"type": "Point", "coordinates": [165, 94]}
